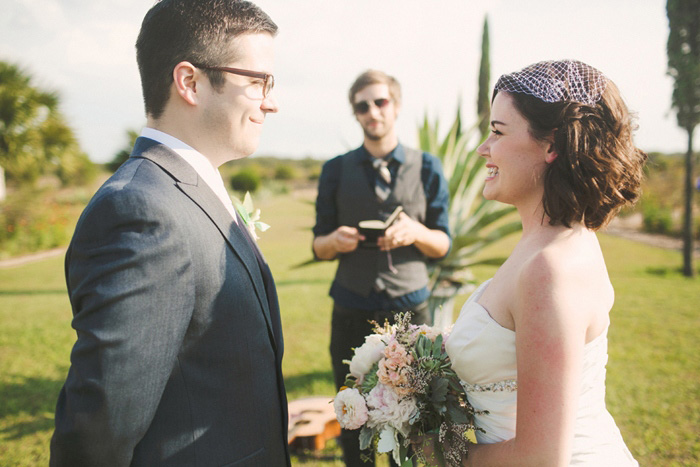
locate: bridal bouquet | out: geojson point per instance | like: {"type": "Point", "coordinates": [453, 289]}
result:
{"type": "Point", "coordinates": [400, 387]}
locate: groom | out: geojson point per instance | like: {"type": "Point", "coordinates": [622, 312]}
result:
{"type": "Point", "coordinates": [179, 341]}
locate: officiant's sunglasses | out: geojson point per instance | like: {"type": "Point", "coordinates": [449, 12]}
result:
{"type": "Point", "coordinates": [362, 107]}
{"type": "Point", "coordinates": [269, 80]}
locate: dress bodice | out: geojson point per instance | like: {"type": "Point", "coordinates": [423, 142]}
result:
{"type": "Point", "coordinates": [483, 356]}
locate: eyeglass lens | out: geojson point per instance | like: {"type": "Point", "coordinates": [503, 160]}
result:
{"type": "Point", "coordinates": [363, 107]}
{"type": "Point", "coordinates": [269, 84]}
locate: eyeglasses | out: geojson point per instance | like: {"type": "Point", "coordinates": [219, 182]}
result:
{"type": "Point", "coordinates": [269, 80]}
{"type": "Point", "coordinates": [363, 107]}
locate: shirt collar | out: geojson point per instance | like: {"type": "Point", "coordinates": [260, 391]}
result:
{"type": "Point", "coordinates": [201, 165]}
{"type": "Point", "coordinates": [396, 154]}
{"type": "Point", "coordinates": [191, 155]}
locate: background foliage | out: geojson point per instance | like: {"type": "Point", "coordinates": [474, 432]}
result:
{"type": "Point", "coordinates": [35, 138]}
{"type": "Point", "coordinates": [661, 205]}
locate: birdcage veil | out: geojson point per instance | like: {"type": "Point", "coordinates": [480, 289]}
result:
{"type": "Point", "coordinates": [556, 81]}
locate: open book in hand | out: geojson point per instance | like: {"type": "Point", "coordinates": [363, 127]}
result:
{"type": "Point", "coordinates": [373, 229]}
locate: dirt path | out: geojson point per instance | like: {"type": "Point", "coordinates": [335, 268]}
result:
{"type": "Point", "coordinates": [627, 228]}
{"type": "Point", "coordinates": [20, 260]}
{"type": "Point", "coordinates": [630, 228]}
{"type": "Point", "coordinates": [661, 241]}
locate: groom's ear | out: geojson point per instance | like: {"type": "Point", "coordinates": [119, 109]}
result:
{"type": "Point", "coordinates": [186, 78]}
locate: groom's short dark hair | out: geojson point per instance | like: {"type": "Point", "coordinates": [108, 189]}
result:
{"type": "Point", "coordinates": [199, 31]}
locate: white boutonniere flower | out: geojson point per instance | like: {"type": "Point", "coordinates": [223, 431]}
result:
{"type": "Point", "coordinates": [250, 215]}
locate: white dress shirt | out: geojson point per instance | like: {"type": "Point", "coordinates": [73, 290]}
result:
{"type": "Point", "coordinates": [199, 163]}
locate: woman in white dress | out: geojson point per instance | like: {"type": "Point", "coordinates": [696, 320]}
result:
{"type": "Point", "coordinates": [531, 343]}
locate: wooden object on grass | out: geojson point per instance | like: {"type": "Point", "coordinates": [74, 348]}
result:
{"type": "Point", "coordinates": [312, 422]}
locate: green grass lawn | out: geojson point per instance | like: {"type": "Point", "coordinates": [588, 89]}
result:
{"type": "Point", "coordinates": [653, 372]}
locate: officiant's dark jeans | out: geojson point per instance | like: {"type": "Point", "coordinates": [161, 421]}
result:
{"type": "Point", "coordinates": [349, 327]}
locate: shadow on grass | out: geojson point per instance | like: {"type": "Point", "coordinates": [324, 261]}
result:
{"type": "Point", "coordinates": [304, 383]}
{"type": "Point", "coordinates": [33, 292]}
{"type": "Point", "coordinates": [303, 264]}
{"type": "Point", "coordinates": [40, 423]}
{"type": "Point", "coordinates": [664, 272]}
{"type": "Point", "coordinates": [29, 397]}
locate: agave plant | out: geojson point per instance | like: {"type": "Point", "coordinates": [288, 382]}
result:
{"type": "Point", "coordinates": [474, 221]}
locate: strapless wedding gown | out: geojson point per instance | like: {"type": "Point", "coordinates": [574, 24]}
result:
{"type": "Point", "coordinates": [483, 356]}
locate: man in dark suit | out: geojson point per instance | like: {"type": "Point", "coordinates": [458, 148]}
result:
{"type": "Point", "coordinates": [179, 348]}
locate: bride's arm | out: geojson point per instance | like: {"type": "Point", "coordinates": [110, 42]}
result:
{"type": "Point", "coordinates": [551, 321]}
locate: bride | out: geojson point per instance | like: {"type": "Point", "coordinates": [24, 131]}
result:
{"type": "Point", "coordinates": [531, 343]}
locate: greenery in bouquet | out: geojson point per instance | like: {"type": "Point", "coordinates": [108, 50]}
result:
{"type": "Point", "coordinates": [401, 387]}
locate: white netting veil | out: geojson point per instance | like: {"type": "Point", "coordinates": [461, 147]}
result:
{"type": "Point", "coordinates": [556, 81]}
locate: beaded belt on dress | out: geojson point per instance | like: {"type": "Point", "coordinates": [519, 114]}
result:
{"type": "Point", "coordinates": [508, 385]}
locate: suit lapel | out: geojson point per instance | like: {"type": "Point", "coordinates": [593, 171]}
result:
{"type": "Point", "coordinates": [199, 192]}
{"type": "Point", "coordinates": [269, 282]}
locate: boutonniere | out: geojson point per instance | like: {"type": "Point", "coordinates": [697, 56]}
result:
{"type": "Point", "coordinates": [250, 215]}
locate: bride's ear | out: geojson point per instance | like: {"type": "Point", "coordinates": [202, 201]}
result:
{"type": "Point", "coordinates": [551, 155]}
{"type": "Point", "coordinates": [551, 151]}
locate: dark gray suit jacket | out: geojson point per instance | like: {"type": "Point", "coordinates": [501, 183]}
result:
{"type": "Point", "coordinates": [179, 349]}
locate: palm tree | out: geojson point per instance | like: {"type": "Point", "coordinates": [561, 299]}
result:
{"type": "Point", "coordinates": [34, 137]}
{"type": "Point", "coordinates": [23, 110]}
{"type": "Point", "coordinates": [475, 222]}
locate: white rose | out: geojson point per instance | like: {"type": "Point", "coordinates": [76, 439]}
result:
{"type": "Point", "coordinates": [350, 409]}
{"type": "Point", "coordinates": [366, 355]}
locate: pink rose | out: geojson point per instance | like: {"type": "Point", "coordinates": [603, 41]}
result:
{"type": "Point", "coordinates": [394, 368]}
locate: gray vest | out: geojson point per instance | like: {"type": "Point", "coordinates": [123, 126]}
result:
{"type": "Point", "coordinates": [356, 201]}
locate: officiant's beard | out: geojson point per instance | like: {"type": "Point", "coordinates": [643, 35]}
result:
{"type": "Point", "coordinates": [376, 135]}
{"type": "Point", "coordinates": [372, 136]}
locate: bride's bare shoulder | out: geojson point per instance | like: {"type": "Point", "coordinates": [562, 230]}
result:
{"type": "Point", "coordinates": [569, 256]}
{"type": "Point", "coordinates": [569, 273]}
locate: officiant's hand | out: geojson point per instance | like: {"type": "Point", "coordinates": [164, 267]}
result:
{"type": "Point", "coordinates": [432, 243]}
{"type": "Point", "coordinates": [403, 232]}
{"type": "Point", "coordinates": [345, 239]}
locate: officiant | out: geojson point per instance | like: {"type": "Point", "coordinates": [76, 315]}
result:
{"type": "Point", "coordinates": [377, 278]}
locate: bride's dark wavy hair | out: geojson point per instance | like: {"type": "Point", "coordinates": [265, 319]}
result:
{"type": "Point", "coordinates": [598, 169]}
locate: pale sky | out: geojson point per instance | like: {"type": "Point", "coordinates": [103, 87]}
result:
{"type": "Point", "coordinates": [85, 51]}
